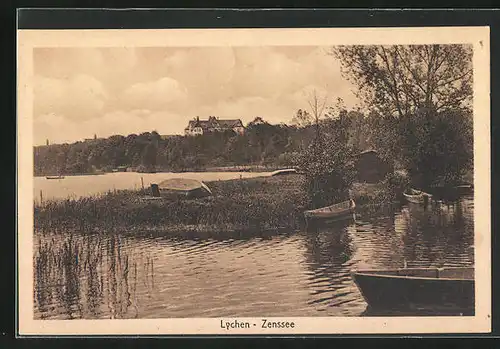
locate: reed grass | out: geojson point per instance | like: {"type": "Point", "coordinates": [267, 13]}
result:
{"type": "Point", "coordinates": [236, 206]}
{"type": "Point", "coordinates": [257, 204]}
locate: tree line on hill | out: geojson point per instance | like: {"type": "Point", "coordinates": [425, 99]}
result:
{"type": "Point", "coordinates": [261, 144]}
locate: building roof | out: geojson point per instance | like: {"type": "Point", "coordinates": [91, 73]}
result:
{"type": "Point", "coordinates": [213, 123]}
{"type": "Point", "coordinates": [230, 123]}
{"type": "Point", "coordinates": [204, 124]}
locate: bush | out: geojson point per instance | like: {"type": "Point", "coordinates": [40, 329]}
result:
{"type": "Point", "coordinates": [329, 171]}
{"type": "Point", "coordinates": [393, 185]}
{"type": "Point", "coordinates": [437, 146]}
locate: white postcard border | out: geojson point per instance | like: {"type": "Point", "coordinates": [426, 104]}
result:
{"type": "Point", "coordinates": [477, 36]}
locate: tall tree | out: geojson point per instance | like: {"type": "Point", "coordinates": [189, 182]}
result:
{"type": "Point", "coordinates": [317, 105]}
{"type": "Point", "coordinates": [302, 118]}
{"type": "Point", "coordinates": [437, 147]}
{"type": "Point", "coordinates": [423, 97]}
{"type": "Point", "coordinates": [399, 80]}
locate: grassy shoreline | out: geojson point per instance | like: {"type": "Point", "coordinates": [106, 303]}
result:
{"type": "Point", "coordinates": [236, 206]}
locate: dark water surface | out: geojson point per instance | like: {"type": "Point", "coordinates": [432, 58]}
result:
{"type": "Point", "coordinates": [296, 274]}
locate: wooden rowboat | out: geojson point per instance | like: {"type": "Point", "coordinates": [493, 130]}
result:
{"type": "Point", "coordinates": [416, 196]}
{"type": "Point", "coordinates": [334, 211]}
{"type": "Point", "coordinates": [417, 288]}
{"type": "Point", "coordinates": [465, 188]}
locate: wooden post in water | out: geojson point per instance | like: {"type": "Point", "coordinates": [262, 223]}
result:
{"type": "Point", "coordinates": [142, 183]}
{"type": "Point", "coordinates": [41, 197]}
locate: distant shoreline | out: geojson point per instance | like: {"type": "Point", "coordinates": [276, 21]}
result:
{"type": "Point", "coordinates": [249, 168]}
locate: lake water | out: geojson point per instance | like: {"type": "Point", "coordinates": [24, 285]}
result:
{"type": "Point", "coordinates": [295, 274]}
{"type": "Point", "coordinates": [78, 186]}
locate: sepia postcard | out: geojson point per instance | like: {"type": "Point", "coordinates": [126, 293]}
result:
{"type": "Point", "coordinates": [254, 181]}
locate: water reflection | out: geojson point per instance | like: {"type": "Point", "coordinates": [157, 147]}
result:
{"type": "Point", "coordinates": [88, 276]}
{"type": "Point", "coordinates": [443, 311]}
{"type": "Point", "coordinates": [439, 236]}
{"type": "Point", "coordinates": [380, 238]}
{"type": "Point", "coordinates": [329, 251]}
{"type": "Point", "coordinates": [261, 274]}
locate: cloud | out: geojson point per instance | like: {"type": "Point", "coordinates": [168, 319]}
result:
{"type": "Point", "coordinates": [81, 97]}
{"type": "Point", "coordinates": [156, 95]}
{"type": "Point", "coordinates": [63, 62]}
{"type": "Point", "coordinates": [207, 73]}
{"type": "Point", "coordinates": [48, 94]}
{"type": "Point", "coordinates": [264, 72]}
{"type": "Point", "coordinates": [124, 122]}
{"type": "Point", "coordinates": [129, 90]}
{"type": "Point", "coordinates": [119, 122]}
{"type": "Point", "coordinates": [56, 128]}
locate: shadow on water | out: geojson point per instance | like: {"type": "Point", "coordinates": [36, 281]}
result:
{"type": "Point", "coordinates": [443, 311]}
{"type": "Point", "coordinates": [440, 235]}
{"type": "Point", "coordinates": [330, 245]}
{"type": "Point", "coordinates": [91, 275]}
{"type": "Point", "coordinates": [329, 250]}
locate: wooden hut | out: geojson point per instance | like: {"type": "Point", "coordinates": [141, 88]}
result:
{"type": "Point", "coordinates": [370, 167]}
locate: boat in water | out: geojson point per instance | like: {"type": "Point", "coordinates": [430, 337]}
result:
{"type": "Point", "coordinates": [465, 188]}
{"type": "Point", "coordinates": [417, 288]}
{"type": "Point", "coordinates": [342, 209]}
{"type": "Point", "coordinates": [54, 177]}
{"type": "Point", "coordinates": [451, 193]}
{"type": "Point", "coordinates": [416, 196]}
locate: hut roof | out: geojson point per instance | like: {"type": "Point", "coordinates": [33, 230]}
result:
{"type": "Point", "coordinates": [213, 122]}
{"type": "Point", "coordinates": [183, 184]}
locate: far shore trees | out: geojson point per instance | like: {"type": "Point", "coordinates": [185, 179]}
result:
{"type": "Point", "coordinates": [262, 144]}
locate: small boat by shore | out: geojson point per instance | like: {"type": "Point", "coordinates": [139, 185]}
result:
{"type": "Point", "coordinates": [54, 177]}
{"type": "Point", "coordinates": [465, 188]}
{"type": "Point", "coordinates": [451, 193]}
{"type": "Point", "coordinates": [417, 288]}
{"type": "Point", "coordinates": [416, 196]}
{"type": "Point", "coordinates": [341, 209]}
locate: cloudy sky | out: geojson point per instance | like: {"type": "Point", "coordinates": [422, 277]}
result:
{"type": "Point", "coordinates": [80, 92]}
